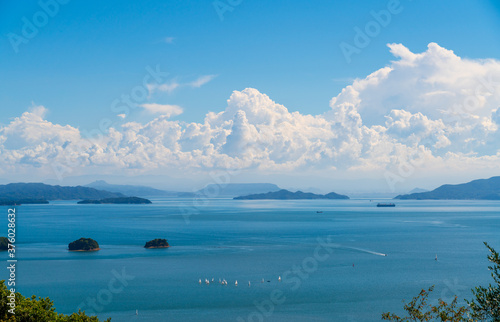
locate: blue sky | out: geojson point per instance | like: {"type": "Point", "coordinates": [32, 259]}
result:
{"type": "Point", "coordinates": [91, 53]}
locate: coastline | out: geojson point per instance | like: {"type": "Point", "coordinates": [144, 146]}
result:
{"type": "Point", "coordinates": [84, 250]}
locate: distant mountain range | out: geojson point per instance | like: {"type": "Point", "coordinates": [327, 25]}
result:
{"type": "Point", "coordinates": [418, 190]}
{"type": "Point", "coordinates": [13, 193]}
{"type": "Point", "coordinates": [211, 190]}
{"type": "Point", "coordinates": [16, 193]}
{"type": "Point", "coordinates": [40, 191]}
{"type": "Point", "coordinates": [236, 189]}
{"type": "Point", "coordinates": [131, 190]}
{"type": "Point", "coordinates": [288, 195]}
{"type": "Point", "coordinates": [483, 189]}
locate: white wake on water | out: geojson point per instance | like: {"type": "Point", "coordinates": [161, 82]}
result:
{"type": "Point", "coordinates": [358, 249]}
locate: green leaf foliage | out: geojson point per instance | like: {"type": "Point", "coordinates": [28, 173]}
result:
{"type": "Point", "coordinates": [158, 242]}
{"type": "Point", "coordinates": [419, 310]}
{"type": "Point", "coordinates": [83, 244]}
{"type": "Point", "coordinates": [485, 306]}
{"type": "Point", "coordinates": [36, 309]}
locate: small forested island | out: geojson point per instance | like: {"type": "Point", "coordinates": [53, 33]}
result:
{"type": "Point", "coordinates": [4, 243]}
{"type": "Point", "coordinates": [84, 245]}
{"type": "Point", "coordinates": [124, 200]}
{"type": "Point", "coordinates": [157, 243]}
{"type": "Point", "coordinates": [288, 195]}
{"type": "Point", "coordinates": [18, 202]}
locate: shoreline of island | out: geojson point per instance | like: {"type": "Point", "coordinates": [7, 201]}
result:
{"type": "Point", "coordinates": [84, 250]}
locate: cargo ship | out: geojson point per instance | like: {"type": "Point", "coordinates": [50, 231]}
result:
{"type": "Point", "coordinates": [386, 205]}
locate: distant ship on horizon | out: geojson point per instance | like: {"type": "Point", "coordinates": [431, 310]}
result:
{"type": "Point", "coordinates": [386, 205]}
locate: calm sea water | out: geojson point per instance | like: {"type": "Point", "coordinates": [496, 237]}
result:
{"type": "Point", "coordinates": [332, 263]}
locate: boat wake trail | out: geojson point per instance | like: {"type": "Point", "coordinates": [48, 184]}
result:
{"type": "Point", "coordinates": [363, 250]}
{"type": "Point", "coordinates": [357, 249]}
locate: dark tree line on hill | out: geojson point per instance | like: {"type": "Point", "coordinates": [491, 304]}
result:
{"type": "Point", "coordinates": [16, 191]}
{"type": "Point", "coordinates": [483, 189]}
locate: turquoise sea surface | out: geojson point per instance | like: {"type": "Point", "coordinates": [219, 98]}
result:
{"type": "Point", "coordinates": [344, 260]}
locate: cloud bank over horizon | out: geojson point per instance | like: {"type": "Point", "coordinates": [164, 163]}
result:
{"type": "Point", "coordinates": [430, 111]}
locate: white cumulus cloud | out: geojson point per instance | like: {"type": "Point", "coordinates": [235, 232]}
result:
{"type": "Point", "coordinates": [438, 111]}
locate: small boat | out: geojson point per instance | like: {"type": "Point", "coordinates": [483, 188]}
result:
{"type": "Point", "coordinates": [279, 278]}
{"type": "Point", "coordinates": [236, 283]}
{"type": "Point", "coordinates": [319, 212]}
{"type": "Point", "coordinates": [386, 205]}
{"type": "Point", "coordinates": [136, 312]}
{"type": "Point", "coordinates": [436, 257]}
{"type": "Point", "coordinates": [248, 283]}
{"type": "Point", "coordinates": [262, 281]}
{"type": "Point", "coordinates": [199, 281]}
